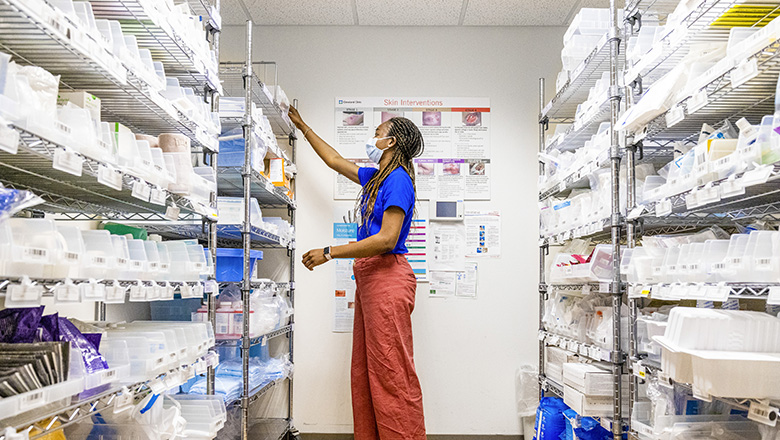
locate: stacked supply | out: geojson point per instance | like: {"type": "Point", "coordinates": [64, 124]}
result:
{"type": "Point", "coordinates": [677, 265]}
{"type": "Point", "coordinates": [156, 347]}
{"type": "Point", "coordinates": [712, 349]}
{"type": "Point", "coordinates": [268, 312]}
{"type": "Point", "coordinates": [587, 319]}
{"type": "Point", "coordinates": [573, 268]}
{"type": "Point", "coordinates": [229, 374]}
{"type": "Point", "coordinates": [588, 389]}
{"type": "Point", "coordinates": [43, 248]}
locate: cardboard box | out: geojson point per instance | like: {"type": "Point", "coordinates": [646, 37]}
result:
{"type": "Point", "coordinates": [82, 99]}
{"type": "Point", "coordinates": [591, 406]}
{"type": "Point", "coordinates": [554, 358]}
{"type": "Point", "coordinates": [590, 379]}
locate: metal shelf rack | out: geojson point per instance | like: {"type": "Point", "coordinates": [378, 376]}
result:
{"type": "Point", "coordinates": [34, 34]}
{"type": "Point", "coordinates": [248, 184]}
{"type": "Point", "coordinates": [607, 57]}
{"type": "Point", "coordinates": [227, 235]}
{"type": "Point", "coordinates": [31, 168]}
{"type": "Point", "coordinates": [727, 92]}
{"type": "Point", "coordinates": [58, 47]}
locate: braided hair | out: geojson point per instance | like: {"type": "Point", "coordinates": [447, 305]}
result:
{"type": "Point", "coordinates": [408, 145]}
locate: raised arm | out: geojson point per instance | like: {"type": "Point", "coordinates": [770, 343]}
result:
{"type": "Point", "coordinates": [328, 154]}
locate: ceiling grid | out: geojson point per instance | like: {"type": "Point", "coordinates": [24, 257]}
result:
{"type": "Point", "coordinates": [404, 12]}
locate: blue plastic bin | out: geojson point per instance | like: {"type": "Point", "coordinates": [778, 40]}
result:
{"type": "Point", "coordinates": [230, 263]}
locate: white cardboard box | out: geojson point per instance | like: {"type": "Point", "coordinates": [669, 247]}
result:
{"type": "Point", "coordinates": [591, 406]}
{"type": "Point", "coordinates": [81, 99]}
{"type": "Point", "coordinates": [589, 379]}
{"type": "Point", "coordinates": [554, 359]}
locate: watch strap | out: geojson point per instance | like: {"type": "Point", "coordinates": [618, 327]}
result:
{"type": "Point", "coordinates": [326, 251]}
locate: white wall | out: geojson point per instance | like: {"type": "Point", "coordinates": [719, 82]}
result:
{"type": "Point", "coordinates": [466, 351]}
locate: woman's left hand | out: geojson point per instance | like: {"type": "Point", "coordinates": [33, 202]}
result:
{"type": "Point", "coordinates": [314, 258]}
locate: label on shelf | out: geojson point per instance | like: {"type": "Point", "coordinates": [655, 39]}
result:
{"type": "Point", "coordinates": [157, 196]}
{"type": "Point", "coordinates": [709, 194]}
{"type": "Point", "coordinates": [774, 296]}
{"type": "Point", "coordinates": [123, 400]}
{"type": "Point", "coordinates": [31, 399]}
{"type": "Point", "coordinates": [639, 370]}
{"type": "Point", "coordinates": [172, 212]}
{"type": "Point", "coordinates": [698, 101]}
{"type": "Point", "coordinates": [67, 161]}
{"type": "Point", "coordinates": [93, 291]}
{"type": "Point", "coordinates": [166, 292]}
{"type": "Point", "coordinates": [763, 413]}
{"type": "Point", "coordinates": [663, 208]}
{"type": "Point", "coordinates": [137, 292]}
{"type": "Point", "coordinates": [35, 254]}
{"type": "Point", "coordinates": [197, 290]}
{"type": "Point", "coordinates": [756, 176]}
{"type": "Point", "coordinates": [107, 376]}
{"type": "Point", "coordinates": [186, 291]}
{"type": "Point", "coordinates": [731, 187]}
{"type": "Point", "coordinates": [674, 116]}
{"type": "Point", "coordinates": [23, 295]}
{"type": "Point", "coordinates": [66, 292]}
{"type": "Point", "coordinates": [9, 139]}
{"type": "Point", "coordinates": [636, 212]}
{"type": "Point", "coordinates": [141, 191]}
{"type": "Point", "coordinates": [692, 199]}
{"type": "Point", "coordinates": [115, 294]}
{"type": "Point", "coordinates": [744, 72]}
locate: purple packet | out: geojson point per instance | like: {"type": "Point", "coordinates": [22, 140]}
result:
{"type": "Point", "coordinates": [20, 325]}
{"type": "Point", "coordinates": [93, 338]}
{"type": "Point", "coordinates": [49, 329]}
{"type": "Point", "coordinates": [93, 361]}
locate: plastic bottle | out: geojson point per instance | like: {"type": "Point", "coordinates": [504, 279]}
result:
{"type": "Point", "coordinates": [223, 321]}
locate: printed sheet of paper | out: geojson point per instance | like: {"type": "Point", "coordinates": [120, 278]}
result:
{"type": "Point", "coordinates": [345, 189]}
{"type": "Point", "coordinates": [483, 233]}
{"type": "Point", "coordinates": [443, 284]}
{"type": "Point", "coordinates": [467, 281]}
{"type": "Point", "coordinates": [417, 243]}
{"type": "Point", "coordinates": [447, 246]}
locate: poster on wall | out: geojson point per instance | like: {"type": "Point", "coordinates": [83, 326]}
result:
{"type": "Point", "coordinates": [483, 234]}
{"type": "Point", "coordinates": [344, 231]}
{"type": "Point", "coordinates": [456, 133]}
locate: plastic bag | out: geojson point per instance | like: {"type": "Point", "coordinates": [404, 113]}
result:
{"type": "Point", "coordinates": [526, 390]}
{"type": "Point", "coordinates": [20, 325]}
{"type": "Point", "coordinates": [550, 422]}
{"type": "Point", "coordinates": [14, 200]}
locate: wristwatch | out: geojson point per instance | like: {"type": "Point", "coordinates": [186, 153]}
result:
{"type": "Point", "coordinates": [326, 251]}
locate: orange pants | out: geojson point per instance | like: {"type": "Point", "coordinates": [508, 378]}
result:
{"type": "Point", "coordinates": [386, 394]}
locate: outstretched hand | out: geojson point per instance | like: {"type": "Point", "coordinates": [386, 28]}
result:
{"type": "Point", "coordinates": [296, 119]}
{"type": "Point", "coordinates": [314, 258]}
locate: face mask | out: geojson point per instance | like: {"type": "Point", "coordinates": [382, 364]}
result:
{"type": "Point", "coordinates": [373, 152]}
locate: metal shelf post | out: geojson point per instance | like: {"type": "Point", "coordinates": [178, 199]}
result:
{"type": "Point", "coordinates": [246, 233]}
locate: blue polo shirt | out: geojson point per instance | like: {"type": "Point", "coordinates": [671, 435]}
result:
{"type": "Point", "coordinates": [396, 190]}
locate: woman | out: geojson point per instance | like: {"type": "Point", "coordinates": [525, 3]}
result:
{"type": "Point", "coordinates": [386, 394]}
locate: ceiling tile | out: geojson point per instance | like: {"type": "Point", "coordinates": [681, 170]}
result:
{"type": "Point", "coordinates": [409, 12]}
{"type": "Point", "coordinates": [290, 12]}
{"type": "Point", "coordinates": [517, 12]}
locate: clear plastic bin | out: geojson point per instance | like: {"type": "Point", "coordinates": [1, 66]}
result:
{"type": "Point", "coordinates": [75, 251]}
{"type": "Point", "coordinates": [734, 265]}
{"type": "Point", "coordinates": [37, 249]}
{"type": "Point", "coordinates": [181, 163]}
{"type": "Point", "coordinates": [231, 211]}
{"type": "Point", "coordinates": [764, 248]}
{"type": "Point", "coordinates": [138, 262]}
{"type": "Point", "coordinates": [596, 270]}
{"type": "Point", "coordinates": [122, 253]}
{"type": "Point", "coordinates": [715, 252]}
{"type": "Point", "coordinates": [100, 261]}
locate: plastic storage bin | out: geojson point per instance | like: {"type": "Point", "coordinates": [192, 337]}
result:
{"type": "Point", "coordinates": [598, 268]}
{"type": "Point", "coordinates": [37, 249]}
{"type": "Point", "coordinates": [230, 264]}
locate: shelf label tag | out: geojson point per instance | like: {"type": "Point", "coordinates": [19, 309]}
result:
{"type": "Point", "coordinates": [744, 72]}
{"type": "Point", "coordinates": [636, 212]}
{"type": "Point", "coordinates": [172, 212]}
{"type": "Point", "coordinates": [197, 290]}
{"type": "Point", "coordinates": [66, 292]}
{"type": "Point", "coordinates": [9, 139]}
{"type": "Point", "coordinates": [639, 370]}
{"type": "Point", "coordinates": [93, 291]}
{"type": "Point", "coordinates": [157, 386]}
{"type": "Point", "coordinates": [123, 401]}
{"type": "Point", "coordinates": [157, 196]}
{"type": "Point", "coordinates": [141, 191]}
{"type": "Point", "coordinates": [675, 116]}
{"type": "Point", "coordinates": [166, 292]}
{"type": "Point", "coordinates": [68, 162]}
{"type": "Point", "coordinates": [709, 194]}
{"type": "Point", "coordinates": [692, 199]}
{"type": "Point", "coordinates": [663, 208]}
{"type": "Point", "coordinates": [698, 101]}
{"type": "Point", "coordinates": [186, 291]}
{"type": "Point", "coordinates": [24, 294]}
{"type": "Point", "coordinates": [152, 292]}
{"type": "Point", "coordinates": [137, 292]}
{"type": "Point", "coordinates": [731, 187]}
{"type": "Point", "coordinates": [774, 296]}
{"type": "Point", "coordinates": [762, 413]}
{"type": "Point", "coordinates": [757, 176]}
{"type": "Point", "coordinates": [115, 293]}
{"type": "Point", "coordinates": [31, 399]}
